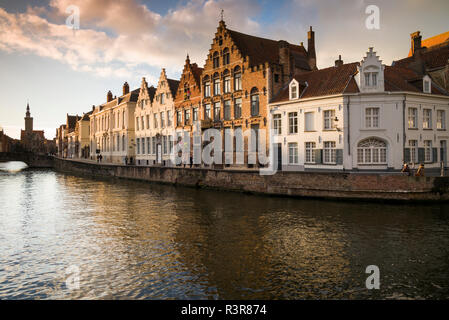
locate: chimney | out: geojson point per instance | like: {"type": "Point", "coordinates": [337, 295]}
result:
{"type": "Point", "coordinates": [339, 62]}
{"type": "Point", "coordinates": [284, 59]}
{"type": "Point", "coordinates": [109, 96]}
{"type": "Point", "coordinates": [416, 41]}
{"type": "Point", "coordinates": [125, 88]}
{"type": "Point", "coordinates": [311, 48]}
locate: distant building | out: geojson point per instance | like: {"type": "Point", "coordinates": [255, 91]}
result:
{"type": "Point", "coordinates": [154, 122]}
{"type": "Point", "coordinates": [32, 140]}
{"type": "Point", "coordinates": [112, 127]}
{"type": "Point", "coordinates": [7, 144]}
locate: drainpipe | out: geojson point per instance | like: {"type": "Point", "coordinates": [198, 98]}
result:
{"type": "Point", "coordinates": [349, 126]}
{"type": "Point", "coordinates": [403, 128]}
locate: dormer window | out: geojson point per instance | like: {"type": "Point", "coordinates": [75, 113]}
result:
{"type": "Point", "coordinates": [370, 79]}
{"type": "Point", "coordinates": [426, 84]}
{"type": "Point", "coordinates": [293, 90]}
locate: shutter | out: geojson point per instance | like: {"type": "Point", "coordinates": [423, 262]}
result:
{"type": "Point", "coordinates": [318, 156]}
{"type": "Point", "coordinates": [407, 155]}
{"type": "Point", "coordinates": [339, 156]}
{"type": "Point", "coordinates": [435, 155]}
{"type": "Point", "coordinates": [421, 155]}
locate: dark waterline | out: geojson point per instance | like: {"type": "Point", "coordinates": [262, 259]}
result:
{"type": "Point", "coordinates": [133, 240]}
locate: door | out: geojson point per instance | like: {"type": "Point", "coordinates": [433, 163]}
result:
{"type": "Point", "coordinates": [159, 154]}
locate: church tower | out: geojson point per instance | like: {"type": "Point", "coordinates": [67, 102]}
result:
{"type": "Point", "coordinates": [28, 121]}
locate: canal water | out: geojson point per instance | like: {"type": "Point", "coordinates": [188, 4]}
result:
{"type": "Point", "coordinates": [68, 237]}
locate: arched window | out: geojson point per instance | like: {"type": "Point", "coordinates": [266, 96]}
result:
{"type": "Point", "coordinates": [226, 56]}
{"type": "Point", "coordinates": [237, 78]}
{"type": "Point", "coordinates": [206, 82]}
{"type": "Point", "coordinates": [254, 102]}
{"type": "Point", "coordinates": [372, 151]}
{"type": "Point", "coordinates": [217, 90]}
{"type": "Point", "coordinates": [216, 60]}
{"type": "Point", "coordinates": [226, 82]}
{"type": "Point", "coordinates": [186, 91]}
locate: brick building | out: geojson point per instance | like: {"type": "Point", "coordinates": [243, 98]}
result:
{"type": "Point", "coordinates": [188, 111]}
{"type": "Point", "coordinates": [241, 74]}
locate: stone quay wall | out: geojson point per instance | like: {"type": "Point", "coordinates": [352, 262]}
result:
{"type": "Point", "coordinates": [334, 185]}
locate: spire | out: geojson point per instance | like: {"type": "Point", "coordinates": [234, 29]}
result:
{"type": "Point", "coordinates": [222, 23]}
{"type": "Point", "coordinates": [28, 110]}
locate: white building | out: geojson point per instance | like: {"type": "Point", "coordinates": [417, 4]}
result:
{"type": "Point", "coordinates": [154, 122]}
{"type": "Point", "coordinates": [112, 133]}
{"type": "Point", "coordinates": [360, 116]}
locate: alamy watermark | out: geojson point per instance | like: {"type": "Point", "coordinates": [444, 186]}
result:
{"type": "Point", "coordinates": [73, 20]}
{"type": "Point", "coordinates": [373, 280]}
{"type": "Point", "coordinates": [372, 22]}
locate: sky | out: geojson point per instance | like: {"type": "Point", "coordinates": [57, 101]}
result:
{"type": "Point", "coordinates": [59, 70]}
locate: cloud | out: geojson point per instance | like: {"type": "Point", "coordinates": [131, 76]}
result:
{"type": "Point", "coordinates": [122, 38]}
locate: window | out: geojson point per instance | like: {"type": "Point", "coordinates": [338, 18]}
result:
{"type": "Point", "coordinates": [217, 111]}
{"type": "Point", "coordinates": [206, 87]}
{"type": "Point", "coordinates": [143, 145]}
{"type": "Point", "coordinates": [426, 86]}
{"type": "Point", "coordinates": [186, 91]}
{"type": "Point", "coordinates": [427, 119]}
{"type": "Point", "coordinates": [137, 123]}
{"type": "Point", "coordinates": [237, 79]}
{"type": "Point", "coordinates": [428, 150]}
{"type": "Point", "coordinates": [207, 114]}
{"type": "Point", "coordinates": [367, 76]}
{"type": "Point", "coordinates": [237, 108]}
{"type": "Point", "coordinates": [372, 151]}
{"type": "Point", "coordinates": [162, 119]}
{"type": "Point", "coordinates": [162, 100]}
{"type": "Point", "coordinates": [441, 120]}
{"type": "Point", "coordinates": [164, 144]}
{"type": "Point", "coordinates": [413, 144]}
{"type": "Point", "coordinates": [277, 123]}
{"type": "Point", "coordinates": [178, 118]}
{"type": "Point", "coordinates": [217, 90]}
{"type": "Point", "coordinates": [227, 84]}
{"type": "Point", "coordinates": [294, 91]}
{"type": "Point", "coordinates": [148, 146]}
{"type": "Point", "coordinates": [412, 118]}
{"type": "Point", "coordinates": [143, 123]}
{"type": "Point", "coordinates": [187, 117]}
{"type": "Point", "coordinates": [123, 143]}
{"type": "Point", "coordinates": [216, 60]}
{"type": "Point", "coordinates": [138, 145]}
{"type": "Point", "coordinates": [309, 121]}
{"type": "Point", "coordinates": [227, 110]}
{"type": "Point", "coordinates": [195, 114]}
{"type": "Point", "coordinates": [330, 153]}
{"type": "Point", "coordinates": [155, 121]}
{"type": "Point", "coordinates": [254, 102]}
{"type": "Point", "coordinates": [372, 117]}
{"type": "Point", "coordinates": [374, 78]}
{"type": "Point", "coordinates": [310, 152]}
{"type": "Point", "coordinates": [226, 56]}
{"type": "Point", "coordinates": [276, 78]}
{"type": "Point", "coordinates": [153, 140]}
{"type": "Point", "coordinates": [293, 122]}
{"type": "Point", "coordinates": [118, 143]}
{"type": "Point", "coordinates": [148, 121]}
{"type": "Point", "coordinates": [293, 153]}
{"type": "Point", "coordinates": [329, 116]}
{"type": "Point", "coordinates": [169, 118]}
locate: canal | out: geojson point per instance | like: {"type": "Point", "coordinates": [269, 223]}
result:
{"type": "Point", "coordinates": [68, 237]}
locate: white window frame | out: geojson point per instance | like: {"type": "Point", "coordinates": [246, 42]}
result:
{"type": "Point", "coordinates": [277, 123]}
{"type": "Point", "coordinates": [427, 118]}
{"type": "Point", "coordinates": [441, 119]}
{"type": "Point", "coordinates": [310, 148]}
{"type": "Point", "coordinates": [329, 152]}
{"type": "Point", "coordinates": [372, 117]}
{"type": "Point", "coordinates": [412, 117]}
{"type": "Point", "coordinates": [328, 118]}
{"type": "Point", "coordinates": [293, 157]}
{"type": "Point", "coordinates": [293, 122]}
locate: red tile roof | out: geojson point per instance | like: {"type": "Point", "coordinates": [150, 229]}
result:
{"type": "Point", "coordinates": [433, 41]}
{"type": "Point", "coordinates": [433, 58]}
{"type": "Point", "coordinates": [261, 50]}
{"type": "Point", "coordinates": [324, 82]}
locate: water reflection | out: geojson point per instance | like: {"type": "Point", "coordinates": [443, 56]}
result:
{"type": "Point", "coordinates": [12, 166]}
{"type": "Point", "coordinates": [137, 240]}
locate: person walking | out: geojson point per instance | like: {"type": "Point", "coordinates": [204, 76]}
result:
{"type": "Point", "coordinates": [420, 172]}
{"type": "Point", "coordinates": [405, 169]}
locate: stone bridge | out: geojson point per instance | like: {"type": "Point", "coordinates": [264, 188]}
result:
{"type": "Point", "coordinates": [31, 159]}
